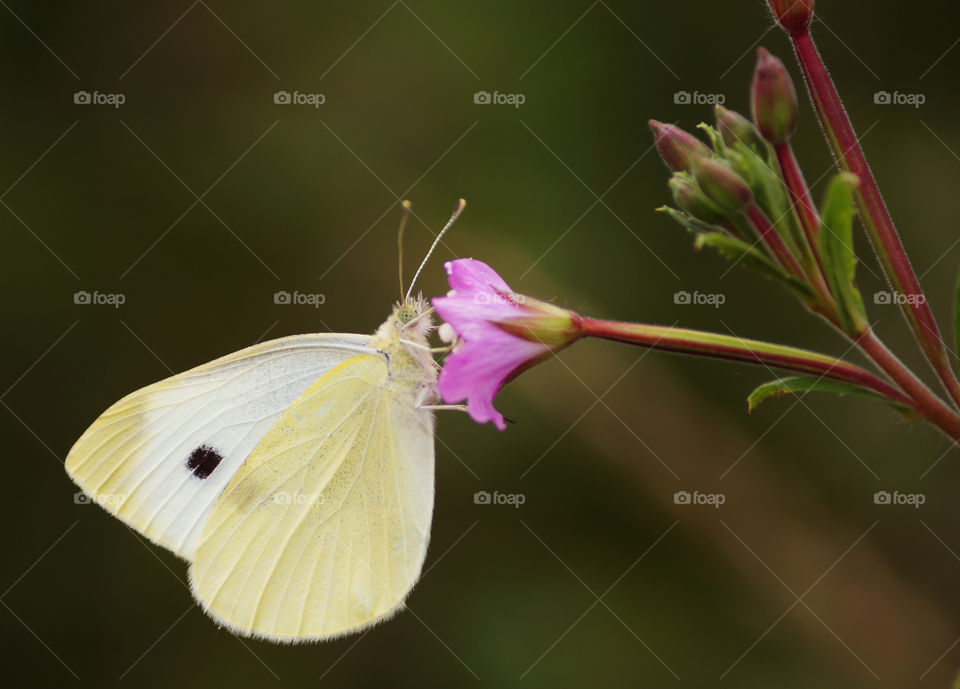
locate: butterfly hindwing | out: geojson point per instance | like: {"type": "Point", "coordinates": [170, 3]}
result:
{"type": "Point", "coordinates": [159, 458]}
{"type": "Point", "coordinates": [324, 528]}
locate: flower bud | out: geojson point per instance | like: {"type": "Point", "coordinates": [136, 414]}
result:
{"type": "Point", "coordinates": [792, 15]}
{"type": "Point", "coordinates": [773, 100]}
{"type": "Point", "coordinates": [735, 127]}
{"type": "Point", "coordinates": [690, 199]}
{"type": "Point", "coordinates": [722, 185]}
{"type": "Point", "coordinates": [678, 149]}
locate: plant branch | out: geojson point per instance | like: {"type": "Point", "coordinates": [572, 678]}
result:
{"type": "Point", "coordinates": [873, 211]}
{"type": "Point", "coordinates": [732, 348]}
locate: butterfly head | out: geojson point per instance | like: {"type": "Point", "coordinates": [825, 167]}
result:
{"type": "Point", "coordinates": [409, 324]}
{"type": "Point", "coordinates": [403, 340]}
{"type": "Point", "coordinates": [412, 318]}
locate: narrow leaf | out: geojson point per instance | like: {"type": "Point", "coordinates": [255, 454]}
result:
{"type": "Point", "coordinates": [716, 140]}
{"type": "Point", "coordinates": [803, 384]}
{"type": "Point", "coordinates": [688, 221]}
{"type": "Point", "coordinates": [739, 251]}
{"type": "Point", "coordinates": [771, 196]}
{"type": "Point", "coordinates": [836, 244]}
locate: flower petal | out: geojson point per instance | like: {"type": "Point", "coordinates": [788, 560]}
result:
{"type": "Point", "coordinates": [476, 372]}
{"type": "Point", "coordinates": [467, 275]}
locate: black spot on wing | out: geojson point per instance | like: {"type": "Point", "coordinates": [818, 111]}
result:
{"type": "Point", "coordinates": [203, 461]}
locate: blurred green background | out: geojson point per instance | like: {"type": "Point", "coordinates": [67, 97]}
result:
{"type": "Point", "coordinates": [798, 580]}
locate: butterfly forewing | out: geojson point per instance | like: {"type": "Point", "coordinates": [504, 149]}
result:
{"type": "Point", "coordinates": [159, 458]}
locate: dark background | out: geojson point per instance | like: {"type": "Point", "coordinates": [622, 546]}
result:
{"type": "Point", "coordinates": [798, 580]}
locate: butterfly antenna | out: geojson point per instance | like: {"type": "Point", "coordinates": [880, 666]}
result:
{"type": "Point", "coordinates": [461, 204]}
{"type": "Point", "coordinates": [407, 207]}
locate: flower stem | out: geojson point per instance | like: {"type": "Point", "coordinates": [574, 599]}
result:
{"type": "Point", "coordinates": [800, 196]}
{"type": "Point", "coordinates": [873, 211]}
{"type": "Point", "coordinates": [748, 351]}
{"type": "Point", "coordinates": [927, 404]}
{"type": "Point", "coordinates": [769, 235]}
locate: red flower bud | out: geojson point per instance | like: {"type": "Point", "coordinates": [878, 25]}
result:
{"type": "Point", "coordinates": [678, 149]}
{"type": "Point", "coordinates": [792, 15]}
{"type": "Point", "coordinates": [773, 100]}
{"type": "Point", "coordinates": [722, 185]}
{"type": "Point", "coordinates": [690, 199]}
{"type": "Point", "coordinates": [734, 128]}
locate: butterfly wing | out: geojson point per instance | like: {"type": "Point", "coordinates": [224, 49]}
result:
{"type": "Point", "coordinates": [159, 458]}
{"type": "Point", "coordinates": [324, 528]}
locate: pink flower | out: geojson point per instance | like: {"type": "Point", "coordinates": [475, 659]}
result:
{"type": "Point", "coordinates": [500, 334]}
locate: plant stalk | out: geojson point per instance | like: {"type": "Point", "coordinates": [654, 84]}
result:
{"type": "Point", "coordinates": [873, 211]}
{"type": "Point", "coordinates": [778, 248]}
{"type": "Point", "coordinates": [927, 404]}
{"type": "Point", "coordinates": [732, 348]}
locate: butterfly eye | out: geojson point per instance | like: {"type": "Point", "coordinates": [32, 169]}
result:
{"type": "Point", "coordinates": [405, 314]}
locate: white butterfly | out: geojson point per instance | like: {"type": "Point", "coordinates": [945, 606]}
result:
{"type": "Point", "coordinates": [296, 476]}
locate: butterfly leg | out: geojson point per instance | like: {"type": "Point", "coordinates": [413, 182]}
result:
{"type": "Point", "coordinates": [443, 407]}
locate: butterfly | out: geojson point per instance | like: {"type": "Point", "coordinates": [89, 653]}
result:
{"type": "Point", "coordinates": [296, 476]}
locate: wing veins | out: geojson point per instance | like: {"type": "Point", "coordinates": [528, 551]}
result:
{"type": "Point", "coordinates": [346, 449]}
{"type": "Point", "coordinates": [267, 496]}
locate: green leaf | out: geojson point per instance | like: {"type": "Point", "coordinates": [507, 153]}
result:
{"type": "Point", "coordinates": [716, 140]}
{"type": "Point", "coordinates": [771, 196]}
{"type": "Point", "coordinates": [836, 245]}
{"type": "Point", "coordinates": [688, 221]}
{"type": "Point", "coordinates": [739, 251]}
{"type": "Point", "coordinates": [804, 384]}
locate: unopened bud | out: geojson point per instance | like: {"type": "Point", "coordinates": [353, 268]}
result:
{"type": "Point", "coordinates": [678, 149]}
{"type": "Point", "coordinates": [722, 185]}
{"type": "Point", "coordinates": [792, 15]}
{"type": "Point", "coordinates": [773, 100]}
{"type": "Point", "coordinates": [691, 199]}
{"type": "Point", "coordinates": [734, 128]}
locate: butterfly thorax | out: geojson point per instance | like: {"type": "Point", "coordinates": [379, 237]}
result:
{"type": "Point", "coordinates": [403, 340]}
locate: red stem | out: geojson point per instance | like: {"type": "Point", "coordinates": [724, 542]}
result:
{"type": "Point", "coordinates": [773, 240]}
{"type": "Point", "coordinates": [800, 196]}
{"type": "Point", "coordinates": [731, 348]}
{"type": "Point", "coordinates": [873, 211]}
{"type": "Point", "coordinates": [925, 402]}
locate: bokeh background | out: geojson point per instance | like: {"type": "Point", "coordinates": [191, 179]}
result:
{"type": "Point", "coordinates": [200, 197]}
